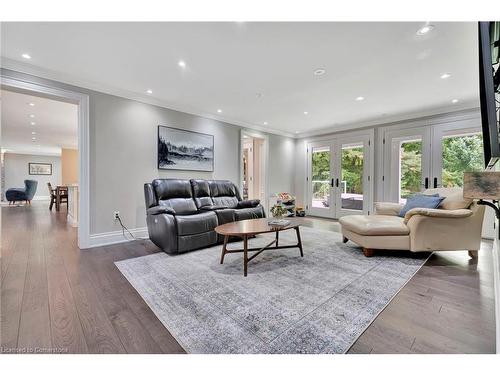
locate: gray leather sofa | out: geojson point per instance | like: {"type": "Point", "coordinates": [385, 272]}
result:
{"type": "Point", "coordinates": [182, 214]}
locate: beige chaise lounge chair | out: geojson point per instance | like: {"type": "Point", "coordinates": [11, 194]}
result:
{"type": "Point", "coordinates": [455, 225]}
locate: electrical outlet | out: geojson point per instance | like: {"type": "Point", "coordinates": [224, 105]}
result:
{"type": "Point", "coordinates": [116, 215]}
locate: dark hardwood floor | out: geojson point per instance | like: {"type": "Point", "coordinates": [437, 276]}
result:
{"type": "Point", "coordinates": [56, 298]}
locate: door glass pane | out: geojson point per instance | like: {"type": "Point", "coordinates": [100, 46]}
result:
{"type": "Point", "coordinates": [320, 177]}
{"type": "Point", "coordinates": [410, 168]}
{"type": "Point", "coordinates": [351, 186]}
{"type": "Point", "coordinates": [461, 153]}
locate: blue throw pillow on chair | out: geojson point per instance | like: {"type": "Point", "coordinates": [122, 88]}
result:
{"type": "Point", "coordinates": [421, 201]}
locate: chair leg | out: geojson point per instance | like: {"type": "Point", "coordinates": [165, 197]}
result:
{"type": "Point", "coordinates": [368, 252]}
{"type": "Point", "coordinates": [345, 239]}
{"type": "Point", "coordinates": [474, 254]}
{"type": "Point", "coordinates": [51, 204]}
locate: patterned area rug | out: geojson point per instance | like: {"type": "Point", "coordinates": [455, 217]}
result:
{"type": "Point", "coordinates": [320, 303]}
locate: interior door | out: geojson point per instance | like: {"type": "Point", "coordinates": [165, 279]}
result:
{"type": "Point", "coordinates": [320, 179]}
{"type": "Point", "coordinates": [409, 168]}
{"type": "Point", "coordinates": [352, 184]}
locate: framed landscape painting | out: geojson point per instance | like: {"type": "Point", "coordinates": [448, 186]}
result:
{"type": "Point", "coordinates": [44, 169]}
{"type": "Point", "coordinates": [185, 150]}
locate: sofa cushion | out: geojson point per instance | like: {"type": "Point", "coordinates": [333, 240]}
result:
{"type": "Point", "coordinates": [194, 224]}
{"type": "Point", "coordinates": [454, 198]}
{"type": "Point", "coordinates": [421, 201]}
{"type": "Point", "coordinates": [375, 225]}
{"type": "Point", "coordinates": [175, 193]}
{"type": "Point", "coordinates": [201, 193]}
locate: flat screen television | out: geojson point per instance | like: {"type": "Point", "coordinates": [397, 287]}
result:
{"type": "Point", "coordinates": [489, 92]}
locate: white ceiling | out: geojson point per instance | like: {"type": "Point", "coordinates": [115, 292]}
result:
{"type": "Point", "coordinates": [56, 124]}
{"type": "Point", "coordinates": [228, 64]}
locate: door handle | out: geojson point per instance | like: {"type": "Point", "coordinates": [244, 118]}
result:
{"type": "Point", "coordinates": [331, 183]}
{"type": "Point", "coordinates": [337, 182]}
{"type": "Point", "coordinates": [426, 184]}
{"type": "Point", "coordinates": [435, 182]}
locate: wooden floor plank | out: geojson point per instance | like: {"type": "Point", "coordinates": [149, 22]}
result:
{"type": "Point", "coordinates": [66, 330]}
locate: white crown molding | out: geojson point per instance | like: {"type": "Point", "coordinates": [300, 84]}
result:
{"type": "Point", "coordinates": [469, 109]}
{"type": "Point", "coordinates": [115, 237]}
{"type": "Point", "coordinates": [26, 68]}
{"type": "Point", "coordinates": [23, 67]}
{"type": "Point", "coordinates": [51, 154]}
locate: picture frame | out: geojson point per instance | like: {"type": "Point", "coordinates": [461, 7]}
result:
{"type": "Point", "coordinates": [180, 149]}
{"type": "Point", "coordinates": [40, 169]}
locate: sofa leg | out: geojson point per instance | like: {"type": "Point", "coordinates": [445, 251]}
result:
{"type": "Point", "coordinates": [368, 252]}
{"type": "Point", "coordinates": [474, 254]}
{"type": "Point", "coordinates": [345, 239]}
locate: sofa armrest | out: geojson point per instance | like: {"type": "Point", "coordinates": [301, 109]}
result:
{"type": "Point", "coordinates": [248, 203]}
{"type": "Point", "coordinates": [387, 208]}
{"type": "Point", "coordinates": [212, 208]}
{"type": "Point", "coordinates": [158, 210]}
{"type": "Point", "coordinates": [436, 212]}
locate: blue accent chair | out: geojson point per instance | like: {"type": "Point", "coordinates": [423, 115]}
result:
{"type": "Point", "coordinates": [14, 195]}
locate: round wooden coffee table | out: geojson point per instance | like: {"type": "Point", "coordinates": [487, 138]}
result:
{"type": "Point", "coordinates": [247, 228]}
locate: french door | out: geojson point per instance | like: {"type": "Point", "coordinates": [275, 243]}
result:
{"type": "Point", "coordinates": [339, 176]}
{"type": "Point", "coordinates": [429, 156]}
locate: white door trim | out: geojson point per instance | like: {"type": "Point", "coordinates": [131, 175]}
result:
{"type": "Point", "coordinates": [82, 100]}
{"type": "Point", "coordinates": [264, 163]}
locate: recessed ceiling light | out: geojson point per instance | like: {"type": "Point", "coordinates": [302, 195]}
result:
{"type": "Point", "coordinates": [33, 123]}
{"type": "Point", "coordinates": [219, 111]}
{"type": "Point", "coordinates": [297, 132]}
{"type": "Point", "coordinates": [265, 122]}
{"type": "Point", "coordinates": [182, 64]}
{"type": "Point", "coordinates": [445, 75]}
{"type": "Point", "coordinates": [319, 72]}
{"type": "Point", "coordinates": [149, 91]}
{"type": "Point", "coordinates": [425, 29]}
{"type": "Point", "coordinates": [32, 116]}
{"type": "Point", "coordinates": [454, 101]}
{"type": "Point", "coordinates": [33, 133]}
{"type": "Point", "coordinates": [306, 113]}
{"type": "Point", "coordinates": [360, 98]}
{"type": "Point", "coordinates": [31, 104]}
{"type": "Point", "coordinates": [26, 56]}
{"type": "Point", "coordinates": [33, 138]}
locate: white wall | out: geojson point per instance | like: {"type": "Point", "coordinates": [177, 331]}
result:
{"type": "Point", "coordinates": [16, 171]}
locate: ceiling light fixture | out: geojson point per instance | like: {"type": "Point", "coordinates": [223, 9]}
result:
{"type": "Point", "coordinates": [33, 138]}
{"type": "Point", "coordinates": [445, 75]}
{"type": "Point", "coordinates": [265, 122]}
{"type": "Point", "coordinates": [33, 123]}
{"type": "Point", "coordinates": [219, 111]}
{"type": "Point", "coordinates": [33, 133]}
{"type": "Point", "coordinates": [32, 116]}
{"type": "Point", "coordinates": [149, 91]}
{"type": "Point", "coordinates": [425, 29]}
{"type": "Point", "coordinates": [319, 72]}
{"type": "Point", "coordinates": [454, 101]}
{"type": "Point", "coordinates": [182, 64]}
{"type": "Point", "coordinates": [360, 98]}
{"type": "Point", "coordinates": [31, 104]}
{"type": "Point", "coordinates": [26, 56]}
{"type": "Point", "coordinates": [306, 113]}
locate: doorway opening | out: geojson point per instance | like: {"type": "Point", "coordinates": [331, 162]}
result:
{"type": "Point", "coordinates": [254, 150]}
{"type": "Point", "coordinates": [39, 125]}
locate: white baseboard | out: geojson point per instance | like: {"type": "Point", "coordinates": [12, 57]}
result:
{"type": "Point", "coordinates": [110, 238]}
{"type": "Point", "coordinates": [41, 198]}
{"type": "Point", "coordinates": [496, 279]}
